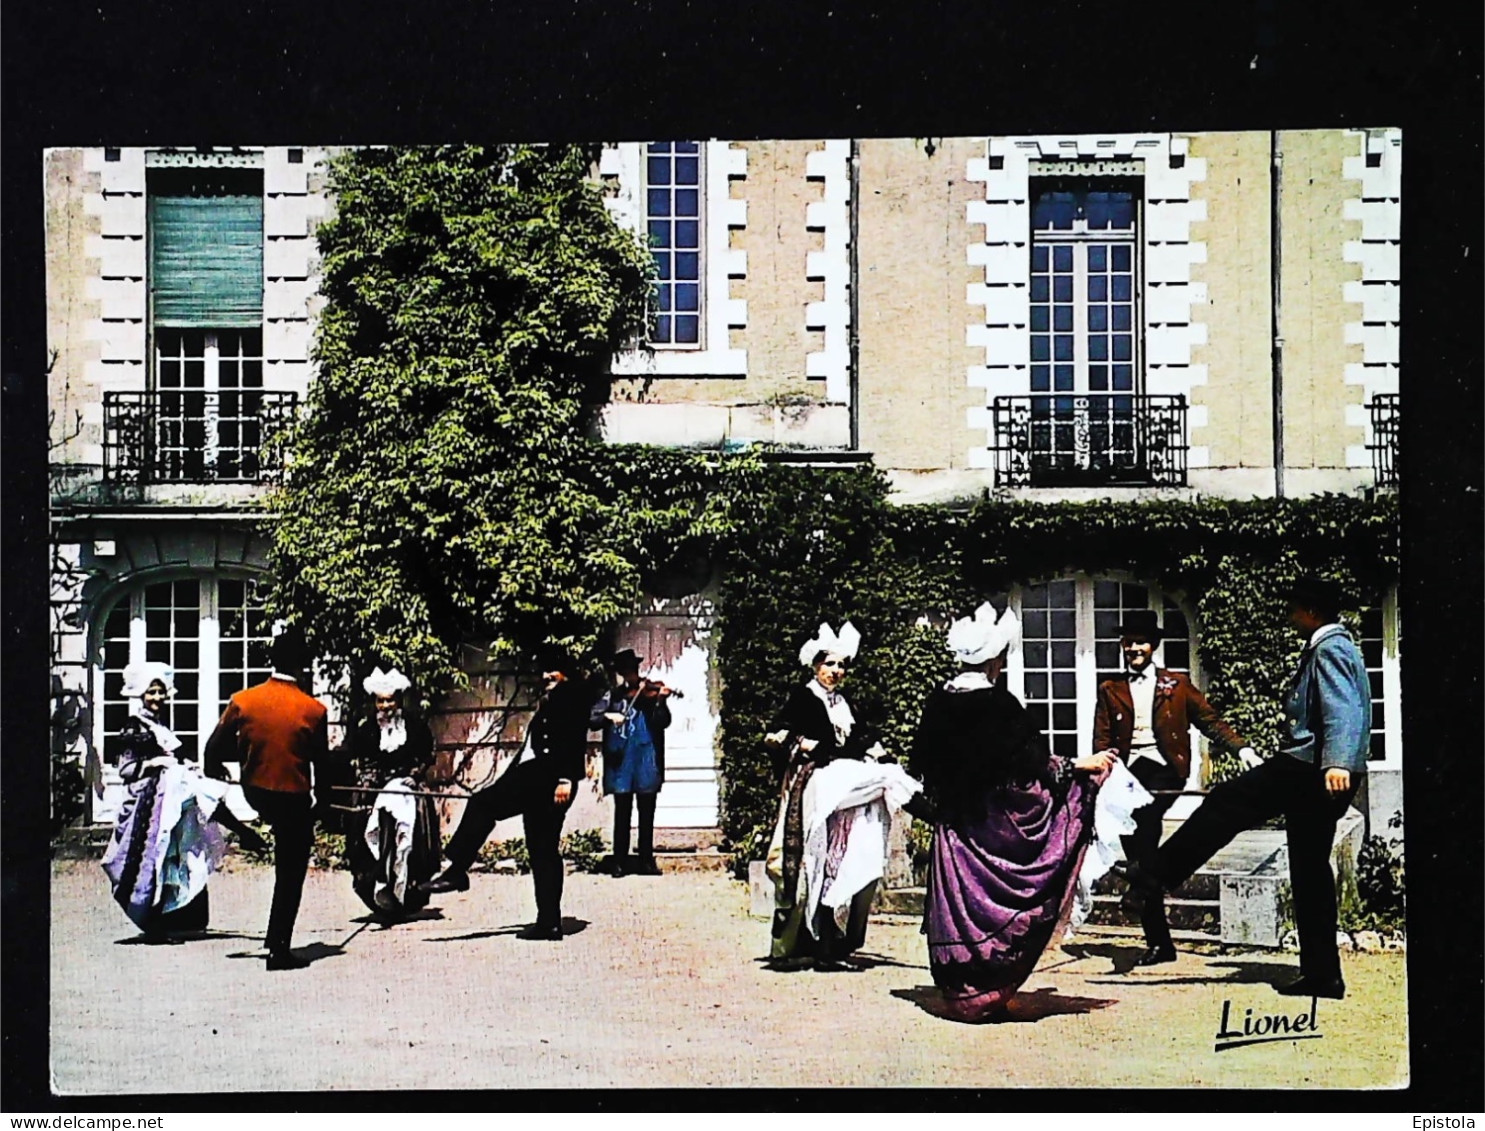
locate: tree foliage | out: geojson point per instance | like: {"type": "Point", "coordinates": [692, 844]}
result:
{"type": "Point", "coordinates": [444, 484]}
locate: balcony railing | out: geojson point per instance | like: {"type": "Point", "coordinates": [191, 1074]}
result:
{"type": "Point", "coordinates": [1090, 440]}
{"type": "Point", "coordinates": [1386, 425]}
{"type": "Point", "coordinates": [191, 435]}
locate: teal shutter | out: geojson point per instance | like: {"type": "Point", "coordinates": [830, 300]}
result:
{"type": "Point", "coordinates": [206, 260]}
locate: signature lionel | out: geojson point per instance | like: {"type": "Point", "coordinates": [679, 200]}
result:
{"type": "Point", "coordinates": [1265, 1028]}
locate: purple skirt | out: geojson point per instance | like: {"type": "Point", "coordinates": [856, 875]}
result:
{"type": "Point", "coordinates": [998, 886]}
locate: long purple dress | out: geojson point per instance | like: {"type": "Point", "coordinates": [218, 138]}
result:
{"type": "Point", "coordinates": [1014, 823]}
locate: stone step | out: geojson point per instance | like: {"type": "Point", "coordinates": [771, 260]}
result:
{"type": "Point", "coordinates": [687, 840]}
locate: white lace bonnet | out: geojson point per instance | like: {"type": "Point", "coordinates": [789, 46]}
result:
{"type": "Point", "coordinates": [138, 677]}
{"type": "Point", "coordinates": [981, 637]}
{"type": "Point", "coordinates": [385, 682]}
{"type": "Point", "coordinates": [844, 644]}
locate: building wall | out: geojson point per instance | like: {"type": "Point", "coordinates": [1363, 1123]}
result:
{"type": "Point", "coordinates": [72, 235]}
{"type": "Point", "coordinates": [1238, 392]}
{"type": "Point", "coordinates": [914, 276]}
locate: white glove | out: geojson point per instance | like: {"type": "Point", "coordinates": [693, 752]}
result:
{"type": "Point", "coordinates": [1249, 757]}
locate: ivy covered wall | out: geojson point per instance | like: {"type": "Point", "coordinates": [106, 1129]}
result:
{"type": "Point", "coordinates": [828, 545]}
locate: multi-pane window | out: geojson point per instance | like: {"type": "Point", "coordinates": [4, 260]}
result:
{"type": "Point", "coordinates": [1379, 649]}
{"type": "Point", "coordinates": [1083, 287]}
{"type": "Point", "coordinates": [1070, 643]}
{"type": "Point", "coordinates": [1085, 376]}
{"type": "Point", "coordinates": [212, 631]}
{"type": "Point", "coordinates": [673, 223]}
{"type": "Point", "coordinates": [209, 416]}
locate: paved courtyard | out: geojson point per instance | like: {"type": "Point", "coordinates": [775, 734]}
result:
{"type": "Point", "coordinates": [659, 984]}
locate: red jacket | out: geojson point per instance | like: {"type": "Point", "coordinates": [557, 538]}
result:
{"type": "Point", "coordinates": [276, 730]}
{"type": "Point", "coordinates": [1178, 706]}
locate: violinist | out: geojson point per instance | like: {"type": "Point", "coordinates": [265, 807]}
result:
{"type": "Point", "coordinates": [633, 715]}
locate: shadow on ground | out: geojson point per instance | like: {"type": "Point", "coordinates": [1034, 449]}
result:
{"type": "Point", "coordinates": [1023, 1008]}
{"type": "Point", "coordinates": [569, 927]}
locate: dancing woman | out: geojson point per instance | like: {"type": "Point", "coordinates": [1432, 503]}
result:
{"type": "Point", "coordinates": [398, 847]}
{"type": "Point", "coordinates": [1012, 825]}
{"type": "Point", "coordinates": [165, 843]}
{"type": "Point", "coordinates": [830, 840]}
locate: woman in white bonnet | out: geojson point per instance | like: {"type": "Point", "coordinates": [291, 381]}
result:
{"type": "Point", "coordinates": [165, 842]}
{"type": "Point", "coordinates": [1013, 822]}
{"type": "Point", "coordinates": [398, 846]}
{"type": "Point", "coordinates": [830, 842]}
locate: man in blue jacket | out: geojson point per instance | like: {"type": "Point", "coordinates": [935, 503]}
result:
{"type": "Point", "coordinates": [1322, 755]}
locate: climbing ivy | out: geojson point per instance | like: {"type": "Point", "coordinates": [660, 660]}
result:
{"type": "Point", "coordinates": [829, 545]}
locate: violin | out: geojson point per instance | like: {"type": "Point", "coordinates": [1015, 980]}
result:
{"type": "Point", "coordinates": [654, 688]}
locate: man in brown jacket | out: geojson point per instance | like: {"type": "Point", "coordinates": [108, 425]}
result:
{"type": "Point", "coordinates": [1144, 717]}
{"type": "Point", "coordinates": [277, 731]}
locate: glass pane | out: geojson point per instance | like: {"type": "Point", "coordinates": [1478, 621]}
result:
{"type": "Point", "coordinates": [687, 203]}
{"type": "Point", "coordinates": [1062, 347]}
{"type": "Point", "coordinates": [688, 329]}
{"type": "Point", "coordinates": [687, 297]}
{"type": "Point", "coordinates": [1064, 654]}
{"type": "Point", "coordinates": [1040, 378]}
{"type": "Point", "coordinates": [1040, 288]}
{"type": "Point", "coordinates": [1062, 595]}
{"type": "Point", "coordinates": [1106, 654]}
{"type": "Point", "coordinates": [1120, 256]}
{"type": "Point", "coordinates": [1122, 288]}
{"type": "Point", "coordinates": [1039, 319]}
{"type": "Point", "coordinates": [1064, 715]}
{"type": "Point", "coordinates": [659, 233]}
{"type": "Point", "coordinates": [687, 234]}
{"type": "Point", "coordinates": [1062, 258]}
{"type": "Point", "coordinates": [1064, 378]}
{"type": "Point", "coordinates": [1098, 288]}
{"type": "Point", "coordinates": [1065, 745]}
{"type": "Point", "coordinates": [1035, 654]}
{"type": "Point", "coordinates": [1041, 347]}
{"type": "Point", "coordinates": [657, 170]}
{"type": "Point", "coordinates": [687, 265]}
{"type": "Point", "coordinates": [1098, 347]}
{"type": "Point", "coordinates": [687, 171]}
{"type": "Point", "coordinates": [1064, 624]}
{"type": "Point", "coordinates": [658, 202]}
{"type": "Point", "coordinates": [1063, 318]}
{"type": "Point", "coordinates": [1036, 685]}
{"type": "Point", "coordinates": [1062, 288]}
{"type": "Point", "coordinates": [1034, 622]}
{"type": "Point", "coordinates": [1123, 348]}
{"type": "Point", "coordinates": [1039, 257]}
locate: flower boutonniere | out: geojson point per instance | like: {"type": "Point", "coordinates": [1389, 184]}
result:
{"type": "Point", "coordinates": [1167, 685]}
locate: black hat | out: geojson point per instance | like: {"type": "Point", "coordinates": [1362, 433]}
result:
{"type": "Point", "coordinates": [1318, 594]}
{"type": "Point", "coordinates": [1141, 622]}
{"type": "Point", "coordinates": [626, 659]}
{"type": "Point", "coordinates": [556, 658]}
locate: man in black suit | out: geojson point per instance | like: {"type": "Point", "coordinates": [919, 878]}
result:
{"type": "Point", "coordinates": [539, 785]}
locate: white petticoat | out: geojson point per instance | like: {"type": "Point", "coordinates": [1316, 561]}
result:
{"type": "Point", "coordinates": [1113, 817]}
{"type": "Point", "coordinates": [403, 809]}
{"type": "Point", "coordinates": [865, 793]}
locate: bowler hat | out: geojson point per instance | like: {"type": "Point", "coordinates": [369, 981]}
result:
{"type": "Point", "coordinates": [1141, 622]}
{"type": "Point", "coordinates": [627, 659]}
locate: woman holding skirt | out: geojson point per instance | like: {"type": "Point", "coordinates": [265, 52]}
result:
{"type": "Point", "coordinates": [1012, 825]}
{"type": "Point", "coordinates": [829, 845]}
{"type": "Point", "coordinates": [398, 847]}
{"type": "Point", "coordinates": [165, 842]}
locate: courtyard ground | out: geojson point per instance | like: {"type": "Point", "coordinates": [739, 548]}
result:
{"type": "Point", "coordinates": [659, 983]}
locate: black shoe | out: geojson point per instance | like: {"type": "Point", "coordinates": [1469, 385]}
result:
{"type": "Point", "coordinates": [647, 867]}
{"type": "Point", "coordinates": [542, 932]}
{"type": "Point", "coordinates": [615, 866]}
{"type": "Point", "coordinates": [1143, 888]}
{"type": "Point", "coordinates": [1305, 987]}
{"type": "Point", "coordinates": [451, 880]}
{"type": "Point", "coordinates": [1156, 955]}
{"type": "Point", "coordinates": [286, 960]}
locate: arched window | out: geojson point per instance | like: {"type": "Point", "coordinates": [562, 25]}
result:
{"type": "Point", "coordinates": [211, 630]}
{"type": "Point", "coordinates": [1070, 643]}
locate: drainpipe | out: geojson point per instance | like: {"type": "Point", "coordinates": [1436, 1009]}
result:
{"type": "Point", "coordinates": [854, 258]}
{"type": "Point", "coordinates": [1276, 272]}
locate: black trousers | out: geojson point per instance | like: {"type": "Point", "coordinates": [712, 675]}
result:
{"type": "Point", "coordinates": [1297, 790]}
{"type": "Point", "coordinates": [623, 806]}
{"type": "Point", "coordinates": [288, 815]}
{"type": "Point", "coordinates": [1140, 845]}
{"type": "Point", "coordinates": [528, 790]}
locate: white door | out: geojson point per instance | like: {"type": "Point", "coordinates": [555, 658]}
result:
{"type": "Point", "coordinates": [677, 650]}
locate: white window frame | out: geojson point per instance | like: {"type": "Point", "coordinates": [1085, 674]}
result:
{"type": "Point", "coordinates": [1391, 685]}
{"type": "Point", "coordinates": [208, 639]}
{"type": "Point", "coordinates": [721, 163]}
{"type": "Point", "coordinates": [1085, 655]}
{"type": "Point", "coordinates": [1080, 238]}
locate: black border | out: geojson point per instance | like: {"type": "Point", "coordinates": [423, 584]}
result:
{"type": "Point", "coordinates": [82, 73]}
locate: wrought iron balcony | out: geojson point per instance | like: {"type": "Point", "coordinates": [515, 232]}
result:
{"type": "Point", "coordinates": [1090, 440]}
{"type": "Point", "coordinates": [191, 435]}
{"type": "Point", "coordinates": [1386, 427]}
